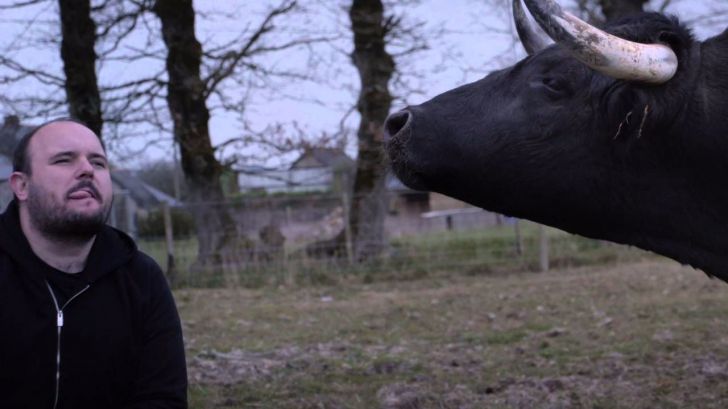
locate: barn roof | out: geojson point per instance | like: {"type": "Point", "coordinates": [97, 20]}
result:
{"type": "Point", "coordinates": [324, 158]}
{"type": "Point", "coordinates": [6, 168]}
{"type": "Point", "coordinates": [10, 133]}
{"type": "Point", "coordinates": [144, 194]}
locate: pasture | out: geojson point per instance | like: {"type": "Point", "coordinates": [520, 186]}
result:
{"type": "Point", "coordinates": [637, 334]}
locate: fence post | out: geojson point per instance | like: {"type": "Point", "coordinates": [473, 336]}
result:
{"type": "Point", "coordinates": [543, 248]}
{"type": "Point", "coordinates": [346, 203]}
{"type": "Point", "coordinates": [169, 239]}
{"type": "Point", "coordinates": [448, 222]}
{"type": "Point", "coordinates": [129, 210]}
{"type": "Point", "coordinates": [519, 238]}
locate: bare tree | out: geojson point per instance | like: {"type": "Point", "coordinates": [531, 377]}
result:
{"type": "Point", "coordinates": [77, 42]}
{"type": "Point", "coordinates": [78, 38]}
{"type": "Point", "coordinates": [187, 105]}
{"type": "Point", "coordinates": [376, 67]}
{"type": "Point", "coordinates": [188, 93]}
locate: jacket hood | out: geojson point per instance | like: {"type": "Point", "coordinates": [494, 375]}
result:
{"type": "Point", "coordinates": [111, 249]}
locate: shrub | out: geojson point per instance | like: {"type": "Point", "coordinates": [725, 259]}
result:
{"type": "Point", "coordinates": [183, 225]}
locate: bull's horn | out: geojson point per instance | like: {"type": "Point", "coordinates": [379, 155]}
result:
{"type": "Point", "coordinates": [608, 54]}
{"type": "Point", "coordinates": [532, 39]}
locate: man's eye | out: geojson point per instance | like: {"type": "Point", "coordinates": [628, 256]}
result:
{"type": "Point", "coordinates": [99, 164]}
{"type": "Point", "coordinates": [62, 160]}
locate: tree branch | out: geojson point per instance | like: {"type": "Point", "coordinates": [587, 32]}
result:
{"type": "Point", "coordinates": [227, 62]}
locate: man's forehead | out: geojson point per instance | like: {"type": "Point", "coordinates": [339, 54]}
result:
{"type": "Point", "coordinates": [66, 136]}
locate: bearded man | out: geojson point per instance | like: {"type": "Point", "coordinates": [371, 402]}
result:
{"type": "Point", "coordinates": [86, 319]}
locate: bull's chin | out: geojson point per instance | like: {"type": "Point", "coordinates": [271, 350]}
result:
{"type": "Point", "coordinates": [409, 177]}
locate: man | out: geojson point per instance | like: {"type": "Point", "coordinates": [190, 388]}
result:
{"type": "Point", "coordinates": [86, 319]}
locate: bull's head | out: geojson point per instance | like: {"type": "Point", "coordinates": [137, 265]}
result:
{"type": "Point", "coordinates": [615, 134]}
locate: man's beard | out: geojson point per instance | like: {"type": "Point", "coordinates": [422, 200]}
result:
{"type": "Point", "coordinates": [56, 221]}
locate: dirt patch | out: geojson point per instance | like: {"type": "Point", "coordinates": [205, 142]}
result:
{"type": "Point", "coordinates": [213, 367]}
{"type": "Point", "coordinates": [650, 335]}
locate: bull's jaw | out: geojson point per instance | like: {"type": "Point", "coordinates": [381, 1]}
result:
{"type": "Point", "coordinates": [690, 234]}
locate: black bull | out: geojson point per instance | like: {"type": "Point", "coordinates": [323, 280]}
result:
{"type": "Point", "coordinates": [551, 140]}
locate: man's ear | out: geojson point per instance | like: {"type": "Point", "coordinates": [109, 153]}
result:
{"type": "Point", "coordinates": [19, 184]}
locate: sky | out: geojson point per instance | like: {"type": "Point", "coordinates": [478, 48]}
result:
{"type": "Point", "coordinates": [465, 38]}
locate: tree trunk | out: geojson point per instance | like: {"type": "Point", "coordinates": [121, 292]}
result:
{"type": "Point", "coordinates": [614, 9]}
{"type": "Point", "coordinates": [375, 68]}
{"type": "Point", "coordinates": [215, 227]}
{"type": "Point", "coordinates": [78, 37]}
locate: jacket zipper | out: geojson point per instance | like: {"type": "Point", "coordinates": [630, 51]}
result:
{"type": "Point", "coordinates": [59, 325]}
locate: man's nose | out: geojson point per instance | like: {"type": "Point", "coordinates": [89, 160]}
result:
{"type": "Point", "coordinates": [86, 168]}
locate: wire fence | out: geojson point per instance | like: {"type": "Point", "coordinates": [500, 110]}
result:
{"type": "Point", "coordinates": [299, 239]}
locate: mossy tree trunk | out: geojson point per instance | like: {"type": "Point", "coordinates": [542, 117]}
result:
{"type": "Point", "coordinates": [375, 66]}
{"type": "Point", "coordinates": [186, 99]}
{"type": "Point", "coordinates": [78, 38]}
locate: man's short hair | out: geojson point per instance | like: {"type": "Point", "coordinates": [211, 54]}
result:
{"type": "Point", "coordinates": [21, 157]}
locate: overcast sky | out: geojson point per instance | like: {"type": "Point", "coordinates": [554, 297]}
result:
{"type": "Point", "coordinates": [466, 39]}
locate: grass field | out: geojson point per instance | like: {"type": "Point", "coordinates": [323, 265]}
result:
{"type": "Point", "coordinates": [649, 334]}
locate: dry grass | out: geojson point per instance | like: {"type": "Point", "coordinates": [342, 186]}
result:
{"type": "Point", "coordinates": [647, 335]}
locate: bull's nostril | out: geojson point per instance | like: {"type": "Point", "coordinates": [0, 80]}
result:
{"type": "Point", "coordinates": [395, 123]}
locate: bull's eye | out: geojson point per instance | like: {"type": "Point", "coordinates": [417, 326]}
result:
{"type": "Point", "coordinates": [551, 83]}
{"type": "Point", "coordinates": [554, 87]}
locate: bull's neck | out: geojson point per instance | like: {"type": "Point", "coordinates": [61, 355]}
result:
{"type": "Point", "coordinates": [689, 225]}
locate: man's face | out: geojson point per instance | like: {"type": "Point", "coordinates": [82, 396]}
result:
{"type": "Point", "coordinates": [68, 192]}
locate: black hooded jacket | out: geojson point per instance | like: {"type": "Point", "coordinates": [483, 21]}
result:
{"type": "Point", "coordinates": [116, 343]}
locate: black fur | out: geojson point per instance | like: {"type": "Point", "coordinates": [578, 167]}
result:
{"type": "Point", "coordinates": [550, 140]}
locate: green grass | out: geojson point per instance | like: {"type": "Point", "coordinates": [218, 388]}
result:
{"type": "Point", "coordinates": [474, 252]}
{"type": "Point", "coordinates": [185, 251]}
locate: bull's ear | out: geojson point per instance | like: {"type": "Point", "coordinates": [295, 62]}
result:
{"type": "Point", "coordinates": [670, 38]}
{"type": "Point", "coordinates": [676, 36]}
{"type": "Point", "coordinates": [650, 28]}
{"type": "Point", "coordinates": [674, 40]}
